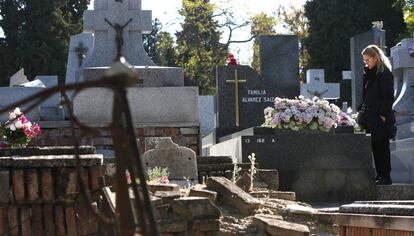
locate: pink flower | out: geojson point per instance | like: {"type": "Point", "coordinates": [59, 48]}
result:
{"type": "Point", "coordinates": [165, 180]}
{"type": "Point", "coordinates": [36, 129]}
{"type": "Point", "coordinates": [23, 119]}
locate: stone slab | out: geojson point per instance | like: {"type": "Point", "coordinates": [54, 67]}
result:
{"type": "Point", "coordinates": [278, 227]}
{"type": "Point", "coordinates": [148, 105]}
{"type": "Point", "coordinates": [339, 169]}
{"type": "Point", "coordinates": [402, 160]}
{"type": "Point", "coordinates": [395, 192]}
{"type": "Point", "coordinates": [206, 114]}
{"type": "Point", "coordinates": [12, 95]}
{"type": "Point", "coordinates": [38, 151]}
{"type": "Point", "coordinates": [229, 193]}
{"type": "Point", "coordinates": [291, 196]}
{"type": "Point", "coordinates": [48, 80]}
{"type": "Point", "coordinates": [378, 209]}
{"type": "Point", "coordinates": [153, 76]}
{"type": "Point", "coordinates": [51, 161]}
{"type": "Point", "coordinates": [404, 223]}
{"type": "Point", "coordinates": [192, 208]}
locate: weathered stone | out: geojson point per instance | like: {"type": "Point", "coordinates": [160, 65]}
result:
{"type": "Point", "coordinates": [32, 185]}
{"type": "Point", "coordinates": [244, 182]}
{"type": "Point", "coordinates": [163, 187]}
{"type": "Point", "coordinates": [4, 186]}
{"type": "Point", "coordinates": [164, 212]}
{"type": "Point", "coordinates": [18, 78]}
{"type": "Point", "coordinates": [172, 226]}
{"type": "Point", "coordinates": [156, 201]}
{"type": "Point", "coordinates": [203, 193]}
{"type": "Point", "coordinates": [195, 208]}
{"type": "Point", "coordinates": [400, 223]}
{"type": "Point", "coordinates": [60, 220]}
{"type": "Point", "coordinates": [167, 196]}
{"type": "Point", "coordinates": [395, 191]}
{"type": "Point", "coordinates": [378, 209]}
{"type": "Point", "coordinates": [300, 210]}
{"type": "Point", "coordinates": [70, 217]}
{"type": "Point", "coordinates": [55, 161]}
{"type": "Point", "coordinates": [3, 213]}
{"type": "Point", "coordinates": [39, 151]}
{"type": "Point", "coordinates": [214, 159]}
{"type": "Point", "coordinates": [180, 161]}
{"type": "Point", "coordinates": [291, 196]}
{"type": "Point", "coordinates": [278, 227]}
{"type": "Point", "coordinates": [205, 225]}
{"type": "Point", "coordinates": [270, 177]}
{"type": "Point", "coordinates": [229, 193]}
{"type": "Point", "coordinates": [37, 224]}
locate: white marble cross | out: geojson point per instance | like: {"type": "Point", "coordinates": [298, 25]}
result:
{"type": "Point", "coordinates": [315, 86]}
{"type": "Point", "coordinates": [126, 14]}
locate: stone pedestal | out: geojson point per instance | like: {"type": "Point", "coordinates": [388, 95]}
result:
{"type": "Point", "coordinates": [318, 166]}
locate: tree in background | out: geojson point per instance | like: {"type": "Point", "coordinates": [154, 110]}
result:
{"type": "Point", "coordinates": [160, 46]}
{"type": "Point", "coordinates": [262, 24]}
{"type": "Point", "coordinates": [295, 21]}
{"type": "Point", "coordinates": [37, 35]}
{"type": "Point", "coordinates": [333, 22]}
{"type": "Point", "coordinates": [408, 8]}
{"type": "Point", "coordinates": [198, 46]}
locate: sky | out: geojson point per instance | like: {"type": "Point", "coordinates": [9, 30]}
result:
{"type": "Point", "coordinates": [167, 12]}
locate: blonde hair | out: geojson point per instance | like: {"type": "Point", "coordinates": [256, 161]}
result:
{"type": "Point", "coordinates": [382, 60]}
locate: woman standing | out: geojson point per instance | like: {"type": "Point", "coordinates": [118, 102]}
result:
{"type": "Point", "coordinates": [378, 95]}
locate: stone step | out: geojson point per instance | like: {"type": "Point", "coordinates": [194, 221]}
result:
{"type": "Point", "coordinates": [395, 192]}
{"type": "Point", "coordinates": [51, 113]}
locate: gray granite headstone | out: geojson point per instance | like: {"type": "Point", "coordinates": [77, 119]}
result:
{"type": "Point", "coordinates": [80, 50]}
{"type": "Point", "coordinates": [315, 86]}
{"type": "Point", "coordinates": [279, 63]}
{"type": "Point", "coordinates": [180, 161]}
{"type": "Point", "coordinates": [127, 14]}
{"type": "Point", "coordinates": [206, 114]}
{"type": "Point", "coordinates": [18, 78]}
{"type": "Point", "coordinates": [404, 103]}
{"type": "Point", "coordinates": [358, 43]}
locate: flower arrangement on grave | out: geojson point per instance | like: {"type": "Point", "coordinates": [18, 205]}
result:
{"type": "Point", "coordinates": [301, 113]}
{"type": "Point", "coordinates": [18, 131]}
{"type": "Point", "coordinates": [158, 175]}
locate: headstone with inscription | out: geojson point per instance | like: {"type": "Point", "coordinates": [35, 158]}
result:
{"type": "Point", "coordinates": [315, 86]}
{"type": "Point", "coordinates": [317, 166]}
{"type": "Point", "coordinates": [374, 36]}
{"type": "Point", "coordinates": [243, 94]}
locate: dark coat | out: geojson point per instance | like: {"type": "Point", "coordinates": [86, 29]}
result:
{"type": "Point", "coordinates": [378, 94]}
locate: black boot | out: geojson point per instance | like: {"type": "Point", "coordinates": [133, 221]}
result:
{"type": "Point", "coordinates": [383, 181]}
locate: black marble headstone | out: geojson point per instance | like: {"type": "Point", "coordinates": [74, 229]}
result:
{"type": "Point", "coordinates": [254, 95]}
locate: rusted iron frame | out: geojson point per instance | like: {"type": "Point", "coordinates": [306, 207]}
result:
{"type": "Point", "coordinates": [145, 211]}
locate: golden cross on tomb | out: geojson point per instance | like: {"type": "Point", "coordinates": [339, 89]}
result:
{"type": "Point", "coordinates": [236, 82]}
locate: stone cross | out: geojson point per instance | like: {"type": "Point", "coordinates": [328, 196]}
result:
{"type": "Point", "coordinates": [316, 86]}
{"type": "Point", "coordinates": [236, 82]}
{"type": "Point", "coordinates": [109, 40]}
{"type": "Point", "coordinates": [81, 51]}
